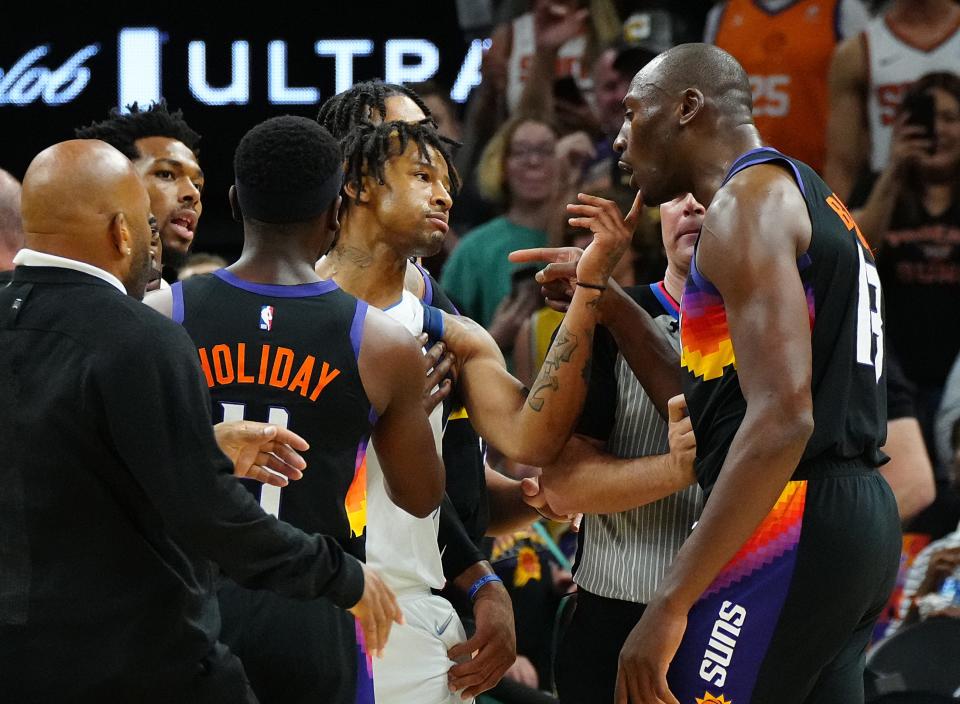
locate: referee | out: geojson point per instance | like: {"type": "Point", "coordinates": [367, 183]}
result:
{"type": "Point", "coordinates": [637, 491]}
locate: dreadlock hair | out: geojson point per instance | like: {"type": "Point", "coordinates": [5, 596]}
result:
{"type": "Point", "coordinates": [353, 107]}
{"type": "Point", "coordinates": [122, 130]}
{"type": "Point", "coordinates": [367, 148]}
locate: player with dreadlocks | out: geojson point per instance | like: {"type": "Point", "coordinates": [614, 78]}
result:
{"type": "Point", "coordinates": [477, 501]}
{"type": "Point", "coordinates": [397, 199]}
{"type": "Point", "coordinates": [164, 150]}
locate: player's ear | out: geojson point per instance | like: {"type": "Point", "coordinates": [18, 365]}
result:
{"type": "Point", "coordinates": [690, 105]}
{"type": "Point", "coordinates": [234, 204]}
{"type": "Point", "coordinates": [355, 194]}
{"type": "Point", "coordinates": [121, 237]}
{"type": "Point", "coordinates": [333, 214]}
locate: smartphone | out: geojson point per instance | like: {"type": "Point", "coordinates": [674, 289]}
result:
{"type": "Point", "coordinates": [567, 90]}
{"type": "Point", "coordinates": [921, 111]}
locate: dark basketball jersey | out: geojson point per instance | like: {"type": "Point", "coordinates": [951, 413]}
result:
{"type": "Point", "coordinates": [845, 308]}
{"type": "Point", "coordinates": [288, 355]}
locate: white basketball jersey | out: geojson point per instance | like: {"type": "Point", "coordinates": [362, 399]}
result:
{"type": "Point", "coordinates": [569, 61]}
{"type": "Point", "coordinates": [894, 65]}
{"type": "Point", "coordinates": [400, 547]}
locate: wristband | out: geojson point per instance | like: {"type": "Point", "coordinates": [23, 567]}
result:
{"type": "Point", "coordinates": [595, 287]}
{"type": "Point", "coordinates": [485, 579]}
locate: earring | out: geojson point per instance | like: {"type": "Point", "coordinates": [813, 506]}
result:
{"type": "Point", "coordinates": [128, 251]}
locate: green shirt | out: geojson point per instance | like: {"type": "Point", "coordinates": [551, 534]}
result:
{"type": "Point", "coordinates": [477, 275]}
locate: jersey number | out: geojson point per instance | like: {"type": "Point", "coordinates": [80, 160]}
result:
{"type": "Point", "coordinates": [770, 97]}
{"type": "Point", "coordinates": [269, 495]}
{"type": "Point", "coordinates": [869, 320]}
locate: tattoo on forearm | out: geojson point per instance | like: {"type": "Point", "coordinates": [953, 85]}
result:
{"type": "Point", "coordinates": [561, 352]}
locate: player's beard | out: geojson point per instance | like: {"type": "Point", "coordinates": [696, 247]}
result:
{"type": "Point", "coordinates": [174, 258]}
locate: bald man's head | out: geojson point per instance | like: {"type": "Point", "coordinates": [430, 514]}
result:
{"type": "Point", "coordinates": [11, 229]}
{"type": "Point", "coordinates": [83, 200]}
{"type": "Point", "coordinates": [678, 107]}
{"type": "Point", "coordinates": [704, 67]}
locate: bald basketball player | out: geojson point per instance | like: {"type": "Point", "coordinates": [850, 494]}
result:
{"type": "Point", "coordinates": [107, 525]}
{"type": "Point", "coordinates": [773, 596]}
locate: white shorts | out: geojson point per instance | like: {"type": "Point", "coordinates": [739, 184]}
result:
{"type": "Point", "coordinates": [414, 665]}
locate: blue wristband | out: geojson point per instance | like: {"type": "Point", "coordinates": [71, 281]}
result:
{"type": "Point", "coordinates": [485, 579]}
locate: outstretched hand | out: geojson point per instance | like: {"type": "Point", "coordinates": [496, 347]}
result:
{"type": "Point", "coordinates": [267, 453]}
{"type": "Point", "coordinates": [565, 265]}
{"type": "Point", "coordinates": [558, 278]}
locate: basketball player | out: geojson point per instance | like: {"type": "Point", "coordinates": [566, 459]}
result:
{"type": "Point", "coordinates": [164, 150]}
{"type": "Point", "coordinates": [786, 47]}
{"type": "Point", "coordinates": [479, 501]}
{"type": "Point", "coordinates": [276, 342]}
{"type": "Point", "coordinates": [398, 186]}
{"type": "Point", "coordinates": [869, 75]}
{"type": "Point", "coordinates": [773, 596]}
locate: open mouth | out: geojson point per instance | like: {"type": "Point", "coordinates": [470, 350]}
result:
{"type": "Point", "coordinates": [625, 167]}
{"type": "Point", "coordinates": [184, 224]}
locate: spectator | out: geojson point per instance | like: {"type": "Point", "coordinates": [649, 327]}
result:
{"type": "Point", "coordinates": [536, 581]}
{"type": "Point", "coordinates": [935, 563]}
{"type": "Point", "coordinates": [583, 27]}
{"type": "Point", "coordinates": [947, 425]}
{"type": "Point", "coordinates": [912, 217]}
{"type": "Point", "coordinates": [11, 228]}
{"type": "Point", "coordinates": [868, 76]}
{"type": "Point", "coordinates": [786, 47]}
{"type": "Point", "coordinates": [519, 170]}
{"type": "Point", "coordinates": [200, 263]}
{"type": "Point", "coordinates": [572, 32]}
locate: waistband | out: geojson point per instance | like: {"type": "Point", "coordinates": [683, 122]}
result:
{"type": "Point", "coordinates": [822, 468]}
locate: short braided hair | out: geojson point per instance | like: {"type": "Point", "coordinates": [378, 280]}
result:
{"type": "Point", "coordinates": [367, 148]}
{"type": "Point", "coordinates": [345, 111]}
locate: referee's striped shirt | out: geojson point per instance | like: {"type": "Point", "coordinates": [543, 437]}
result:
{"type": "Point", "coordinates": [625, 555]}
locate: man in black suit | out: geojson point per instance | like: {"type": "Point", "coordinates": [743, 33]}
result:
{"type": "Point", "coordinates": [108, 518]}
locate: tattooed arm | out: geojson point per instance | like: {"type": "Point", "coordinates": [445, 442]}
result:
{"type": "Point", "coordinates": [532, 426]}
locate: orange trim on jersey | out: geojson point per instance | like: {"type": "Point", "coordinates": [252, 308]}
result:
{"type": "Point", "coordinates": [936, 44]}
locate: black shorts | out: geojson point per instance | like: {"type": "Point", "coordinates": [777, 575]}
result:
{"type": "Point", "coordinates": [790, 616]}
{"type": "Point", "coordinates": [296, 651]}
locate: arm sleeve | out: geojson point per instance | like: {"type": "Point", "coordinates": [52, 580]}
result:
{"type": "Point", "coordinates": [172, 453]}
